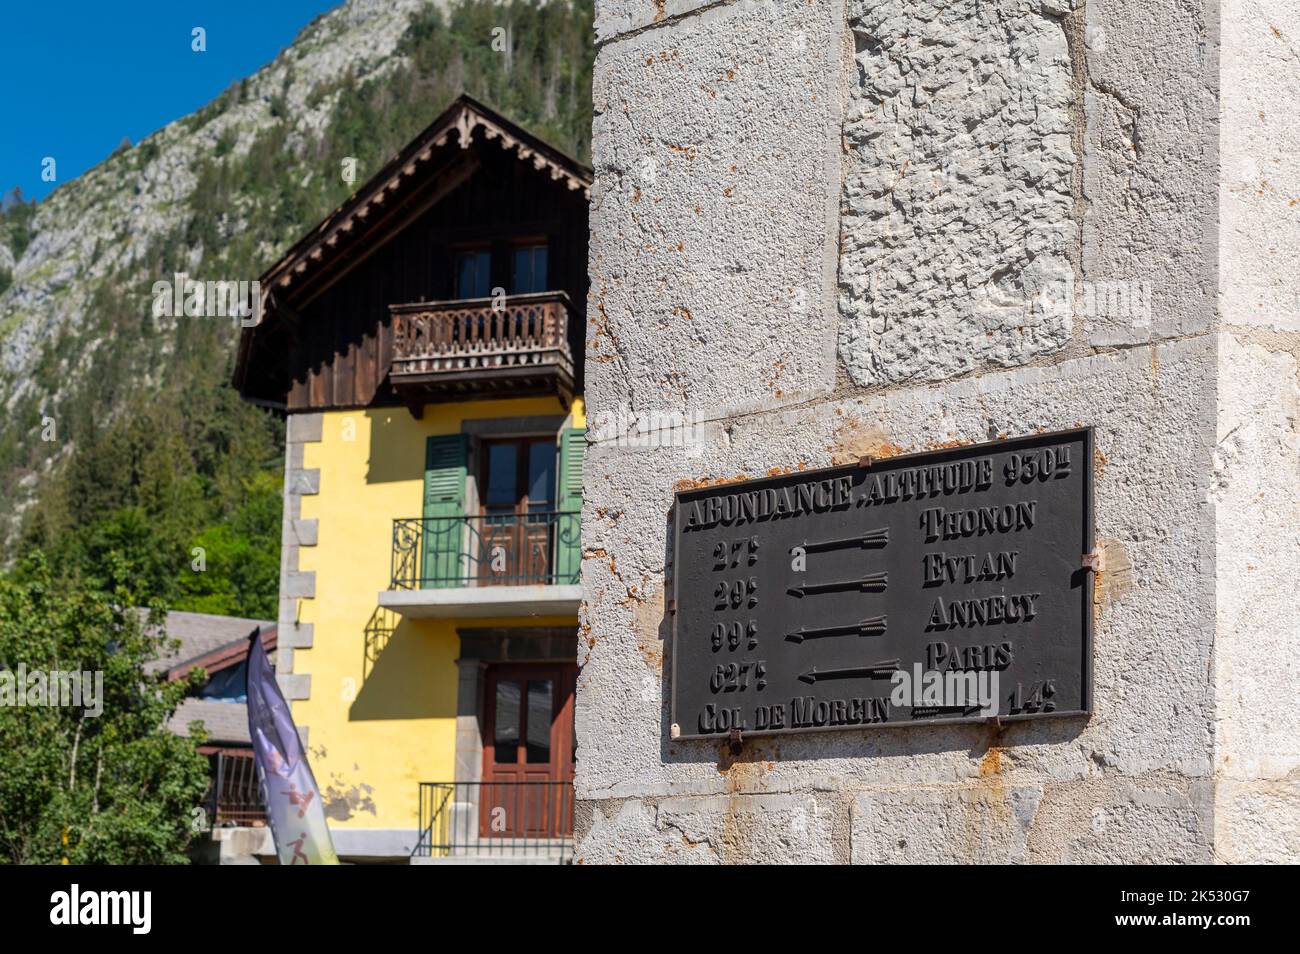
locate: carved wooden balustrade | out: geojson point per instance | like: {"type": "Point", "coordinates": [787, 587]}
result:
{"type": "Point", "coordinates": [483, 346]}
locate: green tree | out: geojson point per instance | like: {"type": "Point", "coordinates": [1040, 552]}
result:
{"type": "Point", "coordinates": [195, 467]}
{"type": "Point", "coordinates": [240, 575]}
{"type": "Point", "coordinates": [117, 788]}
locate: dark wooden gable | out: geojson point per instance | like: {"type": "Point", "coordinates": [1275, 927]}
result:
{"type": "Point", "coordinates": [325, 338]}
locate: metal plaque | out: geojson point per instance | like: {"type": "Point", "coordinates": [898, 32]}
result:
{"type": "Point", "coordinates": [952, 586]}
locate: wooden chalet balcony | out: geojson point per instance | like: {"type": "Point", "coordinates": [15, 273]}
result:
{"type": "Point", "coordinates": [468, 349]}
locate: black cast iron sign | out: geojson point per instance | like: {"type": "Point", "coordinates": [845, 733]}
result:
{"type": "Point", "coordinates": [938, 587]}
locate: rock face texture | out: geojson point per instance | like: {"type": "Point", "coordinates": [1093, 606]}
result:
{"type": "Point", "coordinates": [957, 213]}
{"type": "Point", "coordinates": [847, 227]}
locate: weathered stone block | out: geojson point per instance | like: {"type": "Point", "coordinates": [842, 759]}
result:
{"type": "Point", "coordinates": [614, 17]}
{"type": "Point", "coordinates": [958, 215]}
{"type": "Point", "coordinates": [964, 826]}
{"type": "Point", "coordinates": [1150, 170]}
{"type": "Point", "coordinates": [737, 828]}
{"type": "Point", "coordinates": [304, 482]}
{"type": "Point", "coordinates": [301, 533]}
{"type": "Point", "coordinates": [304, 428]}
{"type": "Point", "coordinates": [715, 144]}
{"type": "Point", "coordinates": [300, 584]}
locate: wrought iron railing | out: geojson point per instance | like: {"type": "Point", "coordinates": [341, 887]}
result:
{"type": "Point", "coordinates": [490, 550]}
{"type": "Point", "coordinates": [234, 797]}
{"type": "Point", "coordinates": [496, 819]}
{"type": "Point", "coordinates": [480, 334]}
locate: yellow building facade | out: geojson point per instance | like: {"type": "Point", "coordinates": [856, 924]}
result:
{"type": "Point", "coordinates": [425, 344]}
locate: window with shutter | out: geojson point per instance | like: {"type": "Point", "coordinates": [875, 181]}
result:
{"type": "Point", "coordinates": [568, 535]}
{"type": "Point", "coordinates": [445, 469]}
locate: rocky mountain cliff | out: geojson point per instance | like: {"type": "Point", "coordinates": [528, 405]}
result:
{"type": "Point", "coordinates": [219, 193]}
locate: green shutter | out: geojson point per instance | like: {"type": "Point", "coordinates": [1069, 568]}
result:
{"type": "Point", "coordinates": [568, 535]}
{"type": "Point", "coordinates": [445, 467]}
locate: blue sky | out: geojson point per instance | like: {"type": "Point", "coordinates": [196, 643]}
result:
{"type": "Point", "coordinates": [78, 77]}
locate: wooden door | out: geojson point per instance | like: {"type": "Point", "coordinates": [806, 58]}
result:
{"type": "Point", "coordinates": [518, 505]}
{"type": "Point", "coordinates": [527, 786]}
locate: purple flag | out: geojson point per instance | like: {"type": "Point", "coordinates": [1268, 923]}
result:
{"type": "Point", "coordinates": [293, 805]}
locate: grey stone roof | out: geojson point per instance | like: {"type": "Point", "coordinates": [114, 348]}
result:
{"type": "Point", "coordinates": [200, 633]}
{"type": "Point", "coordinates": [224, 721]}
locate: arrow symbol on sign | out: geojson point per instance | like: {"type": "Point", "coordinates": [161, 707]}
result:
{"type": "Point", "coordinates": [872, 538]}
{"type": "Point", "coordinates": [881, 670]}
{"type": "Point", "coordinates": [920, 712]}
{"type": "Point", "coordinates": [872, 582]}
{"type": "Point", "coordinates": [872, 626]}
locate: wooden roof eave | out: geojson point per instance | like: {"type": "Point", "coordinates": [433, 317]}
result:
{"type": "Point", "coordinates": [462, 118]}
{"type": "Point", "coordinates": [338, 237]}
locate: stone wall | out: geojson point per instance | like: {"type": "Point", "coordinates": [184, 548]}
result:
{"type": "Point", "coordinates": [833, 228]}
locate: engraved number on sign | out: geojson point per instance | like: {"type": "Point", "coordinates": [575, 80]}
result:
{"type": "Point", "coordinates": [734, 635]}
{"type": "Point", "coordinates": [736, 594]}
{"type": "Point", "coordinates": [737, 677]}
{"type": "Point", "coordinates": [1038, 465]}
{"type": "Point", "coordinates": [1036, 697]}
{"type": "Point", "coordinates": [732, 554]}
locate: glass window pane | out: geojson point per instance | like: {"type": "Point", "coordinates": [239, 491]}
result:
{"type": "Point", "coordinates": [541, 475]}
{"type": "Point", "coordinates": [540, 695]}
{"type": "Point", "coordinates": [539, 267]}
{"type": "Point", "coordinates": [473, 274]}
{"type": "Point", "coordinates": [503, 475]}
{"type": "Point", "coordinates": [464, 274]}
{"type": "Point", "coordinates": [529, 269]}
{"type": "Point", "coordinates": [505, 732]}
{"type": "Point", "coordinates": [520, 279]}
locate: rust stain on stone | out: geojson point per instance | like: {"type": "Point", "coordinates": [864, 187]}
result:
{"type": "Point", "coordinates": [745, 764]}
{"type": "Point", "coordinates": [1099, 462]}
{"type": "Point", "coordinates": [600, 553]}
{"type": "Point", "coordinates": [648, 624]}
{"type": "Point", "coordinates": [991, 764]}
{"type": "Point", "coordinates": [688, 483]}
{"type": "Point", "coordinates": [855, 439]}
{"type": "Point", "coordinates": [948, 444]}
{"type": "Point", "coordinates": [778, 369]}
{"type": "Point", "coordinates": [1115, 578]}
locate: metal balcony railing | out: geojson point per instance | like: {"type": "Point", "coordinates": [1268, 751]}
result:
{"type": "Point", "coordinates": [234, 796]}
{"type": "Point", "coordinates": [517, 343]}
{"type": "Point", "coordinates": [508, 549]}
{"type": "Point", "coordinates": [496, 819]}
